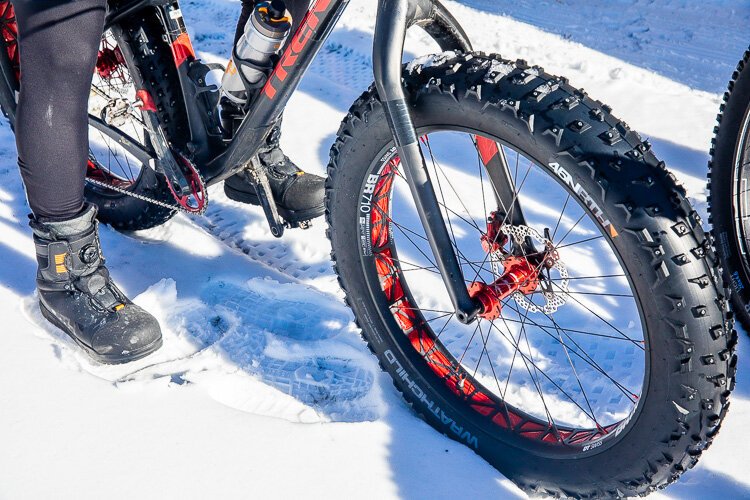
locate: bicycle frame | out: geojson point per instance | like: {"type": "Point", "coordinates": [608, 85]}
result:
{"type": "Point", "coordinates": [217, 160]}
{"type": "Point", "coordinates": [304, 46]}
{"type": "Point", "coordinates": [393, 19]}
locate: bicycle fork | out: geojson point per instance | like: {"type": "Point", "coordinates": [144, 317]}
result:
{"type": "Point", "coordinates": [394, 18]}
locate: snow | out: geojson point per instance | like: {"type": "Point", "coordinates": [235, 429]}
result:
{"type": "Point", "coordinates": [263, 387]}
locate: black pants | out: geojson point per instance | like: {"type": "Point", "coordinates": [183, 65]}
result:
{"type": "Point", "coordinates": [59, 41]}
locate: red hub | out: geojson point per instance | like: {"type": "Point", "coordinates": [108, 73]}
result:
{"type": "Point", "coordinates": [109, 62]}
{"type": "Point", "coordinates": [519, 275]}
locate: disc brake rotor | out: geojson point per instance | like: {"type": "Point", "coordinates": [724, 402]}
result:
{"type": "Point", "coordinates": [555, 292]}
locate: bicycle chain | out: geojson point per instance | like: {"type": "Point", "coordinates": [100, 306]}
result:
{"type": "Point", "coordinates": [176, 208]}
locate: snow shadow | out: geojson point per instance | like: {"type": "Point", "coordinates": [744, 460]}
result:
{"type": "Point", "coordinates": [742, 380]}
{"type": "Point", "coordinates": [17, 270]}
{"type": "Point", "coordinates": [222, 311]}
{"type": "Point", "coordinates": [246, 230]}
{"type": "Point", "coordinates": [268, 346]}
{"type": "Point", "coordinates": [17, 256]}
{"type": "Point", "coordinates": [690, 166]}
{"type": "Point", "coordinates": [674, 39]}
{"type": "Point", "coordinates": [704, 483]}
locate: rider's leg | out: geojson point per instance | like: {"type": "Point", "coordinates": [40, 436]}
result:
{"type": "Point", "coordinates": [59, 40]}
{"type": "Point", "coordinates": [299, 196]}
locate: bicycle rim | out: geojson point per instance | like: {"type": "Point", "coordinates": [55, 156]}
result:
{"type": "Point", "coordinates": [570, 374]}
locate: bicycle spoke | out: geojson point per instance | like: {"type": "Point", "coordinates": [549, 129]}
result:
{"type": "Point", "coordinates": [599, 317]}
{"type": "Point", "coordinates": [593, 238]}
{"type": "Point", "coordinates": [556, 366]}
{"type": "Point", "coordinates": [585, 357]}
{"type": "Point", "coordinates": [557, 386]}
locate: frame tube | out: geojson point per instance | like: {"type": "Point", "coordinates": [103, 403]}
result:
{"type": "Point", "coordinates": [304, 45]}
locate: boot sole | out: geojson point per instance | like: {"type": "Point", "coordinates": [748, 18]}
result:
{"type": "Point", "coordinates": [101, 358]}
{"type": "Point", "coordinates": [291, 216]}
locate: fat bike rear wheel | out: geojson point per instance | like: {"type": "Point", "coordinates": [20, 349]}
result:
{"type": "Point", "coordinates": [605, 368]}
{"type": "Point", "coordinates": [132, 56]}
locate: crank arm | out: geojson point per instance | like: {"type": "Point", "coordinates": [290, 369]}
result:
{"type": "Point", "coordinates": [394, 17]}
{"type": "Point", "coordinates": [257, 177]}
{"type": "Point", "coordinates": [167, 164]}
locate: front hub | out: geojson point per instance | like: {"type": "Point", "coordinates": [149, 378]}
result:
{"type": "Point", "coordinates": [519, 276]}
{"type": "Point", "coordinates": [522, 270]}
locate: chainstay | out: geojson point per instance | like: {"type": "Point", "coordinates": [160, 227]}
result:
{"type": "Point", "coordinates": [176, 208]}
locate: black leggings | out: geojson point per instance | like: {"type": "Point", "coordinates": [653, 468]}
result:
{"type": "Point", "coordinates": [59, 41]}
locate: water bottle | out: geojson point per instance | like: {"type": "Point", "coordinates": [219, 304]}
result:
{"type": "Point", "coordinates": [265, 34]}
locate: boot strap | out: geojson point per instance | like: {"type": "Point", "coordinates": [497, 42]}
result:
{"type": "Point", "coordinates": [63, 261]}
{"type": "Point", "coordinates": [100, 289]}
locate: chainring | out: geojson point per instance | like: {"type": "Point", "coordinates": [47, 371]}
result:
{"type": "Point", "coordinates": [177, 208]}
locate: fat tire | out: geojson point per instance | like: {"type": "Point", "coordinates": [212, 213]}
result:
{"type": "Point", "coordinates": [669, 256]}
{"type": "Point", "coordinates": [721, 178]}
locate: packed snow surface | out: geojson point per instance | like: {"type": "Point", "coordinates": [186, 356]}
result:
{"type": "Point", "coordinates": [263, 387]}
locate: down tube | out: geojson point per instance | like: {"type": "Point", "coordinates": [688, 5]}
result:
{"type": "Point", "coordinates": [296, 59]}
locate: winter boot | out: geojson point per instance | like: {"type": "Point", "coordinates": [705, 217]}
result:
{"type": "Point", "coordinates": [77, 295]}
{"type": "Point", "coordinates": [299, 196]}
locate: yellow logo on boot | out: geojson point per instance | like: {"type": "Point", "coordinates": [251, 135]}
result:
{"type": "Point", "coordinates": [60, 263]}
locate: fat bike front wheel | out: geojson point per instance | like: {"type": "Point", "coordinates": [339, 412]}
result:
{"type": "Point", "coordinates": [603, 358]}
